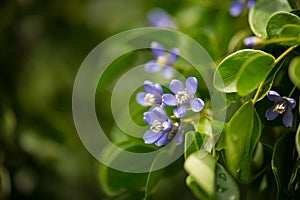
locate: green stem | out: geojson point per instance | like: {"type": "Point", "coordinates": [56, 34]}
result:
{"type": "Point", "coordinates": [277, 60]}
{"type": "Point", "coordinates": [277, 40]}
{"type": "Point", "coordinates": [292, 91]}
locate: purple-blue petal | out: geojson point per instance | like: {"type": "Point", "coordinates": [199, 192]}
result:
{"type": "Point", "coordinates": [274, 96]}
{"type": "Point", "coordinates": [140, 98]}
{"type": "Point", "coordinates": [157, 49]}
{"type": "Point", "coordinates": [163, 140]}
{"type": "Point", "coordinates": [174, 53]}
{"type": "Point", "coordinates": [150, 87]}
{"type": "Point", "coordinates": [197, 104]}
{"type": "Point", "coordinates": [292, 102]}
{"type": "Point", "coordinates": [147, 118]}
{"type": "Point", "coordinates": [251, 3]}
{"type": "Point", "coordinates": [191, 86]}
{"type": "Point", "coordinates": [160, 113]}
{"type": "Point", "coordinates": [154, 116]}
{"type": "Point", "coordinates": [270, 114]}
{"type": "Point", "coordinates": [151, 137]}
{"type": "Point", "coordinates": [176, 86]}
{"type": "Point", "coordinates": [168, 72]}
{"type": "Point", "coordinates": [250, 41]}
{"type": "Point", "coordinates": [179, 138]}
{"type": "Point", "coordinates": [158, 88]}
{"type": "Point", "coordinates": [288, 118]}
{"type": "Point", "coordinates": [180, 111]}
{"type": "Point", "coordinates": [160, 18]}
{"type": "Point", "coordinates": [152, 66]}
{"type": "Point", "coordinates": [169, 99]}
{"type": "Point", "coordinates": [167, 126]}
{"type": "Point", "coordinates": [236, 8]}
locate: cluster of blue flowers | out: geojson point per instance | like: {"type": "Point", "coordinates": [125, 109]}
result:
{"type": "Point", "coordinates": [163, 128]}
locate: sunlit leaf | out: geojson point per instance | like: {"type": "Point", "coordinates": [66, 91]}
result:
{"type": "Point", "coordinates": [297, 140]}
{"type": "Point", "coordinates": [195, 140]}
{"type": "Point", "coordinates": [278, 20]}
{"type": "Point", "coordinates": [260, 13]}
{"type": "Point", "coordinates": [294, 71]}
{"type": "Point", "coordinates": [290, 33]}
{"type": "Point", "coordinates": [241, 138]}
{"type": "Point", "coordinates": [257, 67]}
{"type": "Point", "coordinates": [233, 66]}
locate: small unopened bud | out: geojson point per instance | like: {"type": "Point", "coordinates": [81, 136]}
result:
{"type": "Point", "coordinates": [253, 41]}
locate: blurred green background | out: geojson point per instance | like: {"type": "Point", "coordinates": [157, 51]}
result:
{"type": "Point", "coordinates": [43, 44]}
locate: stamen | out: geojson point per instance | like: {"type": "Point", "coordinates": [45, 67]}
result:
{"type": "Point", "coordinates": [162, 60]}
{"type": "Point", "coordinates": [280, 108]}
{"type": "Point", "coordinates": [182, 97]}
{"type": "Point", "coordinates": [156, 126]}
{"type": "Point", "coordinates": [149, 99]}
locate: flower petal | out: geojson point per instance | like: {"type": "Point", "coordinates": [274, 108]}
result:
{"type": "Point", "coordinates": [140, 98]}
{"type": "Point", "coordinates": [149, 87]}
{"type": "Point", "coordinates": [292, 102]}
{"type": "Point", "coordinates": [151, 137]}
{"type": "Point", "coordinates": [191, 85]}
{"type": "Point", "coordinates": [160, 113]}
{"type": "Point", "coordinates": [158, 88]}
{"type": "Point", "coordinates": [163, 140]}
{"type": "Point", "coordinates": [168, 72]}
{"type": "Point", "coordinates": [251, 3]}
{"type": "Point", "coordinates": [197, 104]}
{"type": "Point", "coordinates": [157, 49]}
{"type": "Point", "coordinates": [274, 96]}
{"type": "Point", "coordinates": [160, 18]}
{"type": "Point", "coordinates": [147, 118]}
{"type": "Point", "coordinates": [167, 126]}
{"type": "Point", "coordinates": [176, 86]}
{"type": "Point", "coordinates": [288, 118]}
{"type": "Point", "coordinates": [179, 139]}
{"type": "Point", "coordinates": [236, 8]}
{"type": "Point", "coordinates": [270, 114]}
{"type": "Point", "coordinates": [169, 99]}
{"type": "Point", "coordinates": [174, 53]}
{"type": "Point", "coordinates": [180, 112]}
{"type": "Point", "coordinates": [152, 66]}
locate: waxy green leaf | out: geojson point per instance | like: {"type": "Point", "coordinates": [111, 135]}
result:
{"type": "Point", "coordinates": [294, 71]}
{"type": "Point", "coordinates": [208, 179]}
{"type": "Point", "coordinates": [291, 34]}
{"type": "Point", "coordinates": [260, 13]}
{"type": "Point", "coordinates": [253, 72]}
{"type": "Point", "coordinates": [278, 20]}
{"type": "Point", "coordinates": [241, 137]}
{"type": "Point", "coordinates": [242, 71]}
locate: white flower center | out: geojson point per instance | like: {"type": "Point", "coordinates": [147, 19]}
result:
{"type": "Point", "coordinates": [162, 60]}
{"type": "Point", "coordinates": [149, 99]}
{"type": "Point", "coordinates": [182, 97]}
{"type": "Point", "coordinates": [156, 126]}
{"type": "Point", "coordinates": [280, 108]}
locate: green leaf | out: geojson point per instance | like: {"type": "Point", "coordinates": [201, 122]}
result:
{"type": "Point", "coordinates": [154, 176]}
{"type": "Point", "coordinates": [282, 163]}
{"type": "Point", "coordinates": [226, 187]}
{"type": "Point", "coordinates": [208, 179]}
{"type": "Point", "coordinates": [278, 20]}
{"type": "Point", "coordinates": [195, 140]}
{"type": "Point", "coordinates": [201, 167]}
{"type": "Point", "coordinates": [115, 182]}
{"type": "Point", "coordinates": [231, 68]}
{"type": "Point", "coordinates": [260, 13]}
{"type": "Point", "coordinates": [257, 67]}
{"type": "Point", "coordinates": [290, 33]}
{"type": "Point", "coordinates": [241, 137]}
{"type": "Point", "coordinates": [294, 71]}
{"type": "Point", "coordinates": [297, 140]}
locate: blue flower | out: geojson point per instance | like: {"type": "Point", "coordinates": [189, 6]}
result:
{"type": "Point", "coordinates": [161, 19]}
{"type": "Point", "coordinates": [163, 61]}
{"type": "Point", "coordinates": [237, 6]}
{"type": "Point", "coordinates": [162, 129]}
{"type": "Point", "coordinates": [283, 106]}
{"type": "Point", "coordinates": [152, 96]}
{"type": "Point", "coordinates": [253, 41]}
{"type": "Point", "coordinates": [184, 97]}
